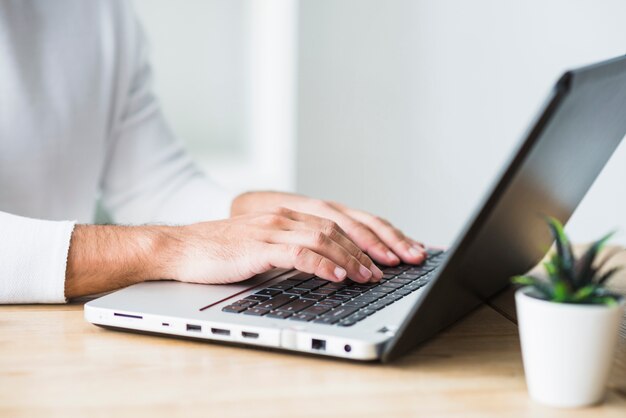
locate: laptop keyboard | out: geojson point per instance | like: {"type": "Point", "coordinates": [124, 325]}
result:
{"type": "Point", "coordinates": [307, 298]}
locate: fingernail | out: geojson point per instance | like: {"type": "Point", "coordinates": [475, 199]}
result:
{"type": "Point", "coordinates": [415, 251]}
{"type": "Point", "coordinates": [392, 257]}
{"type": "Point", "coordinates": [365, 272]}
{"type": "Point", "coordinates": [378, 273]}
{"type": "Point", "coordinates": [340, 273]}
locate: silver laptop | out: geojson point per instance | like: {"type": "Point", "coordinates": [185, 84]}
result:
{"type": "Point", "coordinates": [575, 133]}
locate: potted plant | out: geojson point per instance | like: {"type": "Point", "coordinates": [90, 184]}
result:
{"type": "Point", "coordinates": [568, 324]}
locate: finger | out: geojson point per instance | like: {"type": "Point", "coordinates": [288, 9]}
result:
{"type": "Point", "coordinates": [366, 239]}
{"type": "Point", "coordinates": [303, 259]}
{"type": "Point", "coordinates": [324, 246]}
{"type": "Point", "coordinates": [401, 245]}
{"type": "Point", "coordinates": [337, 234]}
{"type": "Point", "coordinates": [356, 231]}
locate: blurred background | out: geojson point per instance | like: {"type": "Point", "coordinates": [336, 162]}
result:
{"type": "Point", "coordinates": [405, 108]}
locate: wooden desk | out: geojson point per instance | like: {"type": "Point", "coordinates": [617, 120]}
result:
{"type": "Point", "coordinates": [53, 363]}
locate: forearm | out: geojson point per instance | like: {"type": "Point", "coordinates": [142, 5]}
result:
{"type": "Point", "coordinates": [106, 257]}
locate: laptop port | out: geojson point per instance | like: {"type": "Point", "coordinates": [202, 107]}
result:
{"type": "Point", "coordinates": [192, 327]}
{"type": "Point", "coordinates": [246, 334]}
{"type": "Point", "coordinates": [219, 331]}
{"type": "Point", "coordinates": [123, 315]}
{"type": "Point", "coordinates": [318, 344]}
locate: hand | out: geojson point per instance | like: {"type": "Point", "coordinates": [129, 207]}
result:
{"type": "Point", "coordinates": [240, 247]}
{"type": "Point", "coordinates": [373, 235]}
{"type": "Point", "coordinates": [103, 258]}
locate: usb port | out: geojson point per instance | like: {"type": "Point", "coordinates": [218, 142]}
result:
{"type": "Point", "coordinates": [246, 334]}
{"type": "Point", "coordinates": [219, 331]}
{"type": "Point", "coordinates": [318, 344]}
{"type": "Point", "coordinates": [192, 327]}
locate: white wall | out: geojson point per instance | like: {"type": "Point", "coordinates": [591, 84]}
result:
{"type": "Point", "coordinates": [406, 108]}
{"type": "Point", "coordinates": [225, 74]}
{"type": "Point", "coordinates": [409, 108]}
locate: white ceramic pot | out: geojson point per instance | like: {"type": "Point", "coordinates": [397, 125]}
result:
{"type": "Point", "coordinates": [567, 349]}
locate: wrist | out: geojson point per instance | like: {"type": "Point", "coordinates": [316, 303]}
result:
{"type": "Point", "coordinates": [106, 257]}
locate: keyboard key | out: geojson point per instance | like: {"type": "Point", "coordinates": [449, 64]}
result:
{"type": "Point", "coordinates": [330, 303]}
{"type": "Point", "coordinates": [256, 311]}
{"type": "Point", "coordinates": [339, 298]}
{"type": "Point", "coordinates": [387, 300]}
{"type": "Point", "coordinates": [340, 312]}
{"type": "Point", "coordinates": [389, 275]}
{"type": "Point", "coordinates": [404, 291]}
{"type": "Point", "coordinates": [357, 288]}
{"type": "Point", "coordinates": [234, 308]}
{"type": "Point", "coordinates": [368, 311]}
{"type": "Point", "coordinates": [316, 310]}
{"type": "Point", "coordinates": [297, 305]}
{"type": "Point", "coordinates": [278, 314]}
{"type": "Point", "coordinates": [322, 291]}
{"type": "Point", "coordinates": [282, 285]}
{"type": "Point", "coordinates": [334, 286]}
{"type": "Point", "coordinates": [411, 276]}
{"type": "Point", "coordinates": [376, 294]}
{"type": "Point", "coordinates": [257, 298]}
{"type": "Point", "coordinates": [311, 284]}
{"type": "Point", "coordinates": [376, 306]}
{"type": "Point", "coordinates": [391, 284]}
{"type": "Point", "coordinates": [313, 296]}
{"type": "Point", "coordinates": [357, 316]}
{"type": "Point", "coordinates": [401, 280]}
{"type": "Point", "coordinates": [301, 277]}
{"type": "Point", "coordinates": [302, 317]}
{"type": "Point", "coordinates": [413, 286]}
{"type": "Point", "coordinates": [268, 292]}
{"type": "Point", "coordinates": [356, 304]}
{"type": "Point", "coordinates": [347, 323]}
{"type": "Point", "coordinates": [245, 302]}
{"type": "Point", "coordinates": [325, 320]}
{"type": "Point", "coordinates": [385, 289]}
{"type": "Point", "coordinates": [365, 298]}
{"type": "Point", "coordinates": [298, 279]}
{"type": "Point", "coordinates": [277, 301]}
{"type": "Point", "coordinates": [349, 293]}
{"type": "Point", "coordinates": [295, 291]}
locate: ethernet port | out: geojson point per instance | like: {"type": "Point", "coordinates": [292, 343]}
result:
{"type": "Point", "coordinates": [319, 345]}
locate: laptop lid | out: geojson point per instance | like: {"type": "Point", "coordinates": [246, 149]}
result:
{"type": "Point", "coordinates": [576, 132]}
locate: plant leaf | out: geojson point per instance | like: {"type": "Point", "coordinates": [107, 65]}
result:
{"type": "Point", "coordinates": [607, 275]}
{"type": "Point", "coordinates": [551, 269]}
{"type": "Point", "coordinates": [584, 293]}
{"type": "Point", "coordinates": [564, 251]}
{"type": "Point", "coordinates": [561, 292]}
{"type": "Point", "coordinates": [584, 265]}
{"type": "Point", "coordinates": [605, 300]}
{"type": "Point", "coordinates": [537, 284]}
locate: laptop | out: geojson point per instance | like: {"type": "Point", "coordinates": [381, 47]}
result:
{"type": "Point", "coordinates": [577, 130]}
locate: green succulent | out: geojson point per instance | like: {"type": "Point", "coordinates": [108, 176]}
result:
{"type": "Point", "coordinates": [571, 279]}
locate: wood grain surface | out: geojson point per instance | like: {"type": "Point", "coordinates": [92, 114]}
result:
{"type": "Point", "coordinates": [54, 363]}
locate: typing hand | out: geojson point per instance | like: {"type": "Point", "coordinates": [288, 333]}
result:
{"type": "Point", "coordinates": [235, 249]}
{"type": "Point", "coordinates": [377, 237]}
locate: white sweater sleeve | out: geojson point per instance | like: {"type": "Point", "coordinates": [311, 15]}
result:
{"type": "Point", "coordinates": [149, 177]}
{"type": "Point", "coordinates": [33, 257]}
